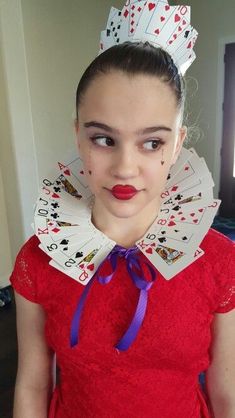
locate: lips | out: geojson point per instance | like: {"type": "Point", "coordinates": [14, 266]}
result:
{"type": "Point", "coordinates": [124, 192]}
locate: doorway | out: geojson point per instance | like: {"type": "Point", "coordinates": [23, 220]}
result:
{"type": "Point", "coordinates": [227, 176]}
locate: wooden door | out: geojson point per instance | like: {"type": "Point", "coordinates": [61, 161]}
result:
{"type": "Point", "coordinates": [227, 178]}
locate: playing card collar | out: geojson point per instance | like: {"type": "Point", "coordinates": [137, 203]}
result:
{"type": "Point", "coordinates": [76, 247]}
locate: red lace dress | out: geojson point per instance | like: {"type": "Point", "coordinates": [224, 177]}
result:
{"type": "Point", "coordinates": [158, 375]}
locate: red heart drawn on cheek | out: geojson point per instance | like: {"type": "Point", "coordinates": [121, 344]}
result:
{"type": "Point", "coordinates": [167, 8]}
{"type": "Point", "coordinates": [200, 210]}
{"type": "Point", "coordinates": [55, 196]}
{"type": "Point", "coordinates": [81, 265]}
{"type": "Point", "coordinates": [157, 31]}
{"type": "Point", "coordinates": [149, 251]}
{"type": "Point", "coordinates": [91, 267]}
{"type": "Point", "coordinates": [183, 219]}
{"type": "Point", "coordinates": [151, 6]}
{"type": "Point", "coordinates": [195, 221]}
{"type": "Point", "coordinates": [162, 18]}
{"type": "Point", "coordinates": [172, 217]}
{"type": "Point", "coordinates": [177, 18]}
{"type": "Point", "coordinates": [67, 172]}
{"type": "Point", "coordinates": [171, 223]}
{"type": "Point", "coordinates": [192, 214]}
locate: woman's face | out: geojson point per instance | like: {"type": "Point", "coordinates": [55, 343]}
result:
{"type": "Point", "coordinates": [128, 133]}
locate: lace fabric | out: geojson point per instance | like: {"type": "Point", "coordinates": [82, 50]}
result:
{"type": "Point", "coordinates": [158, 375]}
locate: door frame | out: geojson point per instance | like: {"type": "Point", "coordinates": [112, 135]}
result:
{"type": "Point", "coordinates": [219, 109]}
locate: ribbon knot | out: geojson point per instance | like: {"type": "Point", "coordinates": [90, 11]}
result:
{"type": "Point", "coordinates": [136, 273]}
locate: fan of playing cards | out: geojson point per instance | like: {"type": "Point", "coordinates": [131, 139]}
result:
{"type": "Point", "coordinates": [156, 22]}
{"type": "Point", "coordinates": [76, 247]}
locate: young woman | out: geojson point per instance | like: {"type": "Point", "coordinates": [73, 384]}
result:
{"type": "Point", "coordinates": [130, 104]}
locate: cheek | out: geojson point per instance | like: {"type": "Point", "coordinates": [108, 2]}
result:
{"type": "Point", "coordinates": [94, 165]}
{"type": "Point", "coordinates": [156, 174]}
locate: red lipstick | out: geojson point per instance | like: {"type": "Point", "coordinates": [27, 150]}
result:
{"type": "Point", "coordinates": [124, 192]}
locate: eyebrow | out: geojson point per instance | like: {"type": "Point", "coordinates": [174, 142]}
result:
{"type": "Point", "coordinates": [107, 128]}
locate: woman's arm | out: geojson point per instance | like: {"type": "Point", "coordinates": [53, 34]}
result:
{"type": "Point", "coordinates": [34, 380]}
{"type": "Point", "coordinates": [220, 377]}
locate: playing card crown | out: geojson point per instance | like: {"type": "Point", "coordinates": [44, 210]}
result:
{"type": "Point", "coordinates": [163, 26]}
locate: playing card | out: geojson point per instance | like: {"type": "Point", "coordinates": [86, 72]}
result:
{"type": "Point", "coordinates": [65, 203]}
{"type": "Point", "coordinates": [184, 156]}
{"type": "Point", "coordinates": [176, 19]}
{"type": "Point", "coordinates": [185, 61]}
{"type": "Point", "coordinates": [94, 245]}
{"type": "Point", "coordinates": [185, 238]}
{"type": "Point", "coordinates": [114, 25]}
{"type": "Point", "coordinates": [196, 196]}
{"type": "Point", "coordinates": [83, 275]}
{"type": "Point", "coordinates": [168, 261]}
{"type": "Point", "coordinates": [187, 201]}
{"type": "Point", "coordinates": [192, 174]}
{"type": "Point", "coordinates": [42, 232]}
{"type": "Point", "coordinates": [92, 261]}
{"type": "Point", "coordinates": [131, 15]}
{"type": "Point", "coordinates": [58, 232]}
{"type": "Point", "coordinates": [74, 174]}
{"type": "Point", "coordinates": [106, 40]}
{"type": "Point", "coordinates": [60, 188]}
{"type": "Point", "coordinates": [190, 37]}
{"type": "Point", "coordinates": [159, 22]}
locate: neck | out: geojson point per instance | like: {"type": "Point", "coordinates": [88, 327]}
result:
{"type": "Point", "coordinates": [124, 231]}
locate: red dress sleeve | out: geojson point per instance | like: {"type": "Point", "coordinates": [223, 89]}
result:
{"type": "Point", "coordinates": [226, 280]}
{"type": "Point", "coordinates": [24, 277]}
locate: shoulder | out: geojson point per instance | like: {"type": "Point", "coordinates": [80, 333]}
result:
{"type": "Point", "coordinates": [219, 249]}
{"type": "Point", "coordinates": [218, 265]}
{"type": "Point", "coordinates": [30, 249]}
{"type": "Point", "coordinates": [30, 263]}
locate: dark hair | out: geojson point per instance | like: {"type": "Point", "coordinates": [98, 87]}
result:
{"type": "Point", "coordinates": [134, 58]}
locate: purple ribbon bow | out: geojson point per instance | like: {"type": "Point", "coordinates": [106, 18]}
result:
{"type": "Point", "coordinates": [136, 273]}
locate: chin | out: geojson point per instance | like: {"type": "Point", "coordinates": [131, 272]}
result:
{"type": "Point", "coordinates": [123, 209]}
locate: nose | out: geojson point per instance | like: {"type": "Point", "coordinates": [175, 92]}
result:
{"type": "Point", "coordinates": [125, 164]}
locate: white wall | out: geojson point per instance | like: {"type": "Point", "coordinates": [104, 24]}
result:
{"type": "Point", "coordinates": [214, 21]}
{"type": "Point", "coordinates": [44, 48]}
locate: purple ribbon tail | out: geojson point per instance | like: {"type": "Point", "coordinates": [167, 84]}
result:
{"type": "Point", "coordinates": [136, 323]}
{"type": "Point", "coordinates": [136, 273]}
{"type": "Point", "coordinates": [74, 333]}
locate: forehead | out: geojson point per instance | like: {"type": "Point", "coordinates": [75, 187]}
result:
{"type": "Point", "coordinates": [123, 99]}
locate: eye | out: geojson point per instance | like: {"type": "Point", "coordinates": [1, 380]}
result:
{"type": "Point", "coordinates": [153, 144]}
{"type": "Point", "coordinates": [103, 141]}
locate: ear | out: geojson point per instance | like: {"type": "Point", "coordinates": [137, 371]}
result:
{"type": "Point", "coordinates": [179, 143]}
{"type": "Point", "coordinates": [77, 132]}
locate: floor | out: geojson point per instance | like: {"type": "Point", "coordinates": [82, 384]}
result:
{"type": "Point", "coordinates": [8, 359]}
